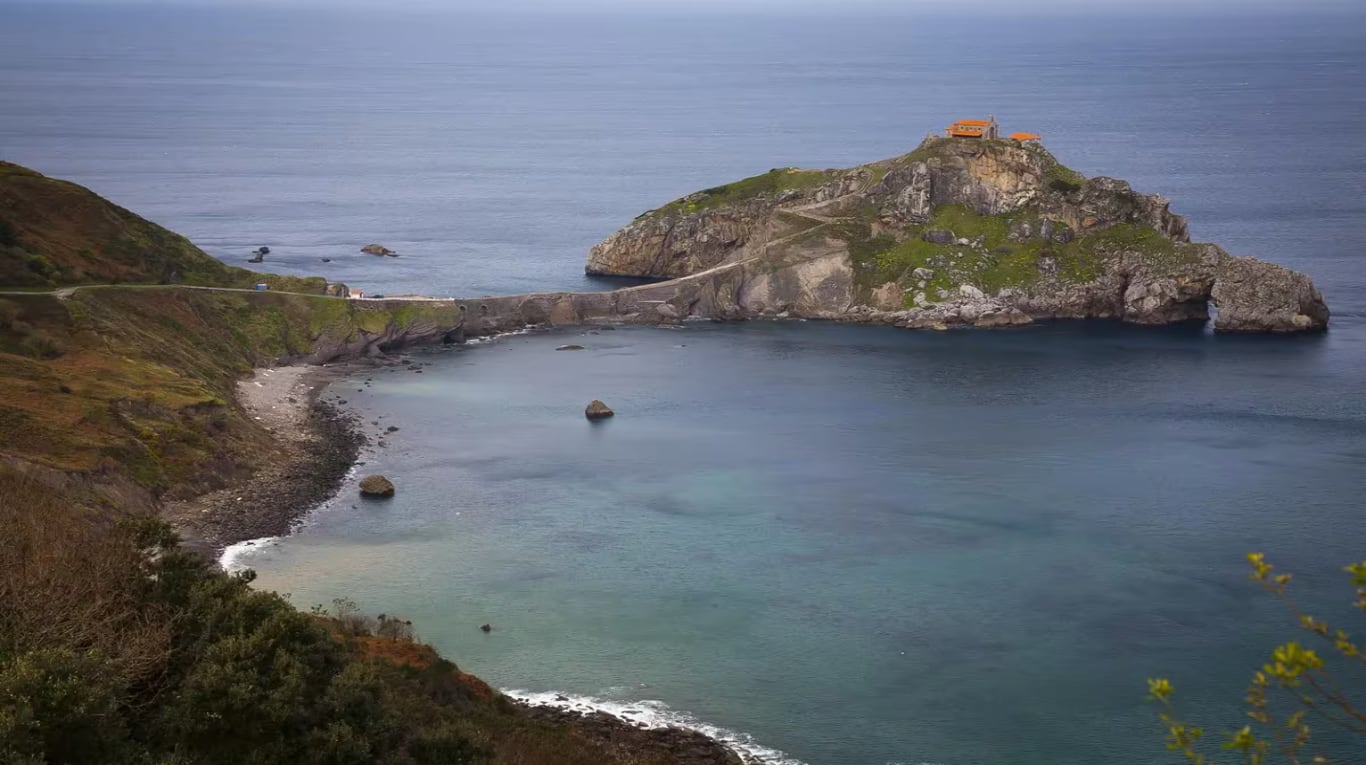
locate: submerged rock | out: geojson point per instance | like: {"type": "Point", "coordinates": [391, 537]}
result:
{"type": "Point", "coordinates": [376, 486]}
{"type": "Point", "coordinates": [570, 347]}
{"type": "Point", "coordinates": [597, 410]}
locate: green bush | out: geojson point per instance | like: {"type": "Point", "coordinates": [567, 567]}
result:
{"type": "Point", "coordinates": [9, 314]}
{"type": "Point", "coordinates": [40, 345]}
{"type": "Point", "coordinates": [1294, 693]}
{"type": "Point", "coordinates": [228, 674]}
{"type": "Point", "coordinates": [57, 705]}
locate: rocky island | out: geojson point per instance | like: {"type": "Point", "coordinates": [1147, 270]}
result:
{"type": "Point", "coordinates": [959, 232]}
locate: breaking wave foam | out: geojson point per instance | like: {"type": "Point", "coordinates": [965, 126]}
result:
{"type": "Point", "coordinates": [234, 557]}
{"type": "Point", "coordinates": [485, 339]}
{"type": "Point", "coordinates": [657, 714]}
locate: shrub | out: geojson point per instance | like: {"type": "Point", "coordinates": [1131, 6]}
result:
{"type": "Point", "coordinates": [40, 345]}
{"type": "Point", "coordinates": [1297, 678]}
{"type": "Point", "coordinates": [118, 646]}
{"type": "Point", "coordinates": [42, 267]}
{"type": "Point", "coordinates": [60, 705]}
{"type": "Point", "coordinates": [9, 314]}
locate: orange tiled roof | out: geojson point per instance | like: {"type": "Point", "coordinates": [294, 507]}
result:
{"type": "Point", "coordinates": [1025, 136]}
{"type": "Point", "coordinates": [972, 122]}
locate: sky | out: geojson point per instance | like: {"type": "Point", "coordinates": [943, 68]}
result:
{"type": "Point", "coordinates": [958, 7]}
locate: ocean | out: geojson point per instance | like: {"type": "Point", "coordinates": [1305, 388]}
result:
{"type": "Point", "coordinates": [833, 545]}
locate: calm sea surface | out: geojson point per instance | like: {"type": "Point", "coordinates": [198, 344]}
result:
{"type": "Point", "coordinates": [854, 545]}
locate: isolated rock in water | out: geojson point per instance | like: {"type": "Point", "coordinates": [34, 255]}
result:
{"type": "Point", "coordinates": [378, 249]}
{"type": "Point", "coordinates": [570, 348]}
{"type": "Point", "coordinates": [376, 486]}
{"type": "Point", "coordinates": [597, 410]}
{"type": "Point", "coordinates": [486, 627]}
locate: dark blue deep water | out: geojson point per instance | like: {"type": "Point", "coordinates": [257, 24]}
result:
{"type": "Point", "coordinates": [853, 545]}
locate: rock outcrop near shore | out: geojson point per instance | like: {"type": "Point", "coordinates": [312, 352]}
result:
{"type": "Point", "coordinates": [376, 486]}
{"type": "Point", "coordinates": [957, 232]}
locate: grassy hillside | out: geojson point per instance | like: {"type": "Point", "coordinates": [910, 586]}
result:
{"type": "Point", "coordinates": [138, 383]}
{"type": "Point", "coordinates": [132, 381]}
{"type": "Point", "coordinates": [55, 233]}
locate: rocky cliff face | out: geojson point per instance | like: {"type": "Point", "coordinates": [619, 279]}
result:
{"type": "Point", "coordinates": [958, 232]}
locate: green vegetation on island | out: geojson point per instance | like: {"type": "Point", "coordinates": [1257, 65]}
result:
{"type": "Point", "coordinates": [770, 184]}
{"type": "Point", "coordinates": [980, 250]}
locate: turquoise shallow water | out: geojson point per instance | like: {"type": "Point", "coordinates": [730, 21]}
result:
{"type": "Point", "coordinates": [857, 545]}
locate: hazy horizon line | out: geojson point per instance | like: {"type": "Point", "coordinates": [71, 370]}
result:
{"type": "Point", "coordinates": [1044, 9]}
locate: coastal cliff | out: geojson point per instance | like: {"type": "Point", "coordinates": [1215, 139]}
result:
{"type": "Point", "coordinates": [957, 232]}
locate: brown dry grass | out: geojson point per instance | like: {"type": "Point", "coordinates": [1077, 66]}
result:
{"type": "Point", "coordinates": [61, 587]}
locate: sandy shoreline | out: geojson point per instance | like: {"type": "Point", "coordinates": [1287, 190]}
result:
{"type": "Point", "coordinates": [316, 444]}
